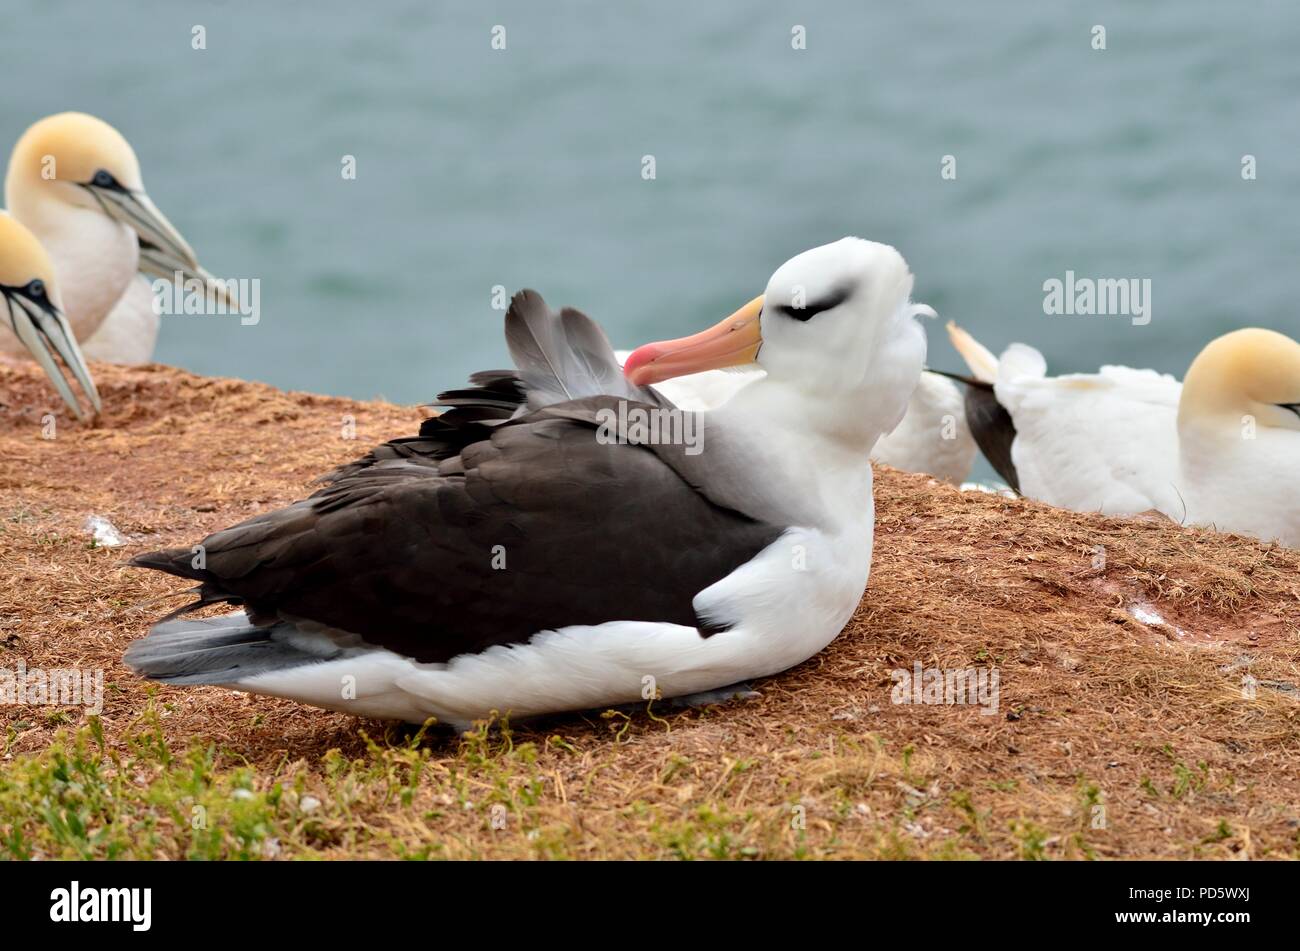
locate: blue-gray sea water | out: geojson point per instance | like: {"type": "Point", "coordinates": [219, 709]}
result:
{"type": "Point", "coordinates": [523, 166]}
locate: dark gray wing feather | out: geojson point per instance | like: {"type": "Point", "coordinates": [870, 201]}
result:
{"type": "Point", "coordinates": [564, 356]}
{"type": "Point", "coordinates": [559, 357]}
{"type": "Point", "coordinates": [990, 424]}
{"type": "Point", "coordinates": [993, 429]}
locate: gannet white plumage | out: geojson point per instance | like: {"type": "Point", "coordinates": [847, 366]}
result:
{"type": "Point", "coordinates": [931, 438]}
{"type": "Point", "coordinates": [1221, 449]}
{"type": "Point", "coordinates": [31, 309]}
{"type": "Point", "coordinates": [510, 559]}
{"type": "Point", "coordinates": [75, 181]}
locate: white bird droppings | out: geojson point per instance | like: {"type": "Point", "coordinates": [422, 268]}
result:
{"type": "Point", "coordinates": [1141, 611]}
{"type": "Point", "coordinates": [103, 532]}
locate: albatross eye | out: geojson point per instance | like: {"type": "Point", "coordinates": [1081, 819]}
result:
{"type": "Point", "coordinates": [104, 179]}
{"type": "Point", "coordinates": [35, 289]}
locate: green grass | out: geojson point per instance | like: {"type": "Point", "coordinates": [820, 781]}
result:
{"type": "Point", "coordinates": [485, 794]}
{"type": "Point", "coordinates": [495, 793]}
{"type": "Point", "coordinates": [84, 799]}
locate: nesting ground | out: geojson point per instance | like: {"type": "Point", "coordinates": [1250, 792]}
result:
{"type": "Point", "coordinates": [1147, 706]}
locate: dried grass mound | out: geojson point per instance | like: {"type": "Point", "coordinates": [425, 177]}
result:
{"type": "Point", "coordinates": [1148, 692]}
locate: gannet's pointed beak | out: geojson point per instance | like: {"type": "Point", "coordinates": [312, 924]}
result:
{"type": "Point", "coordinates": [163, 250]}
{"type": "Point", "coordinates": [156, 262]}
{"type": "Point", "coordinates": [40, 328]}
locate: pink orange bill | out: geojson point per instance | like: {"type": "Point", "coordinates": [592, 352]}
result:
{"type": "Point", "coordinates": [733, 342]}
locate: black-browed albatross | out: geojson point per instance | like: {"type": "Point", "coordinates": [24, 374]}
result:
{"type": "Point", "coordinates": [509, 559]}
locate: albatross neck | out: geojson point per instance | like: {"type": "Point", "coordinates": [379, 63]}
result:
{"type": "Point", "coordinates": [829, 424]}
{"type": "Point", "coordinates": [810, 471]}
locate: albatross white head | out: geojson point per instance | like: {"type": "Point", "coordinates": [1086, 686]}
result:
{"type": "Point", "coordinates": [31, 307]}
{"type": "Point", "coordinates": [75, 181]}
{"type": "Point", "coordinates": [1239, 433]}
{"type": "Point", "coordinates": [835, 333]}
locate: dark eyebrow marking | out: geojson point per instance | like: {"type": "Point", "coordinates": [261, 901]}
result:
{"type": "Point", "coordinates": [836, 297]}
{"type": "Point", "coordinates": [1293, 407]}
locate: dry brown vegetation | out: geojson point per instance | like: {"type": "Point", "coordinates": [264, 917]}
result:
{"type": "Point", "coordinates": [1152, 720]}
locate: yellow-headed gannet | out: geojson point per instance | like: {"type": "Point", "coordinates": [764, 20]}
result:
{"type": "Point", "coordinates": [75, 182]}
{"type": "Point", "coordinates": [32, 311]}
{"type": "Point", "coordinates": [1221, 449]}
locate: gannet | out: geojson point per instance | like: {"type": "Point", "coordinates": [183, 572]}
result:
{"type": "Point", "coordinates": [530, 552]}
{"type": "Point", "coordinates": [1221, 449]}
{"type": "Point", "coordinates": [933, 436]}
{"type": "Point", "coordinates": [75, 182]}
{"type": "Point", "coordinates": [33, 313]}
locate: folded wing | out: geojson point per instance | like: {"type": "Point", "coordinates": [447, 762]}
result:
{"type": "Point", "coordinates": [537, 526]}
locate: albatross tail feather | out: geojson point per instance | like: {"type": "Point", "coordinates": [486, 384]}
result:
{"type": "Point", "coordinates": [219, 650]}
{"type": "Point", "coordinates": [174, 561]}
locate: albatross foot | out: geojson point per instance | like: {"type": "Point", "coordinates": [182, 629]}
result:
{"type": "Point", "coordinates": [740, 691]}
